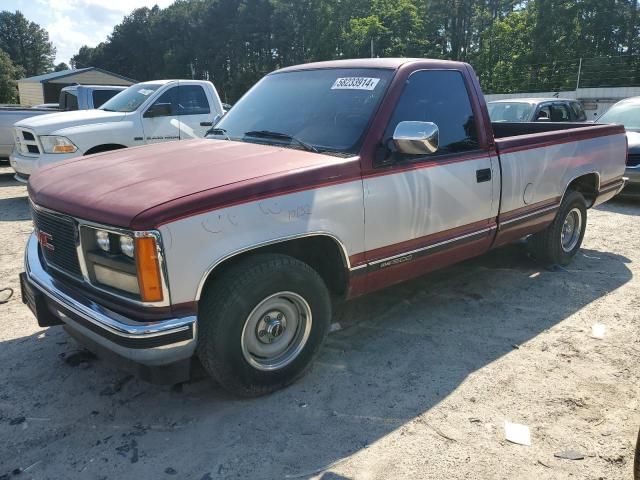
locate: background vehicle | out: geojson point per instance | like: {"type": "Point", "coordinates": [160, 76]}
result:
{"type": "Point", "coordinates": [77, 97]}
{"type": "Point", "coordinates": [148, 112]}
{"type": "Point", "coordinates": [627, 112]}
{"type": "Point", "coordinates": [536, 110]}
{"type": "Point", "coordinates": [232, 249]}
{"type": "Point", "coordinates": [86, 97]}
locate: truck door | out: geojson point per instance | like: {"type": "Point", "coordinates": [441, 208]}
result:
{"type": "Point", "coordinates": [425, 211]}
{"type": "Point", "coordinates": [159, 120]}
{"type": "Point", "coordinates": [194, 112]}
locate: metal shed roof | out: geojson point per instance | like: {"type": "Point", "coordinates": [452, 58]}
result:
{"type": "Point", "coordinates": [70, 72]}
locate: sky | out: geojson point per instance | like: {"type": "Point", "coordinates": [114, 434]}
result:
{"type": "Point", "coordinates": [74, 23]}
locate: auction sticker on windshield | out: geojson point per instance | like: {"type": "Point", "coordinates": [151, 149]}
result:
{"type": "Point", "coordinates": [355, 83]}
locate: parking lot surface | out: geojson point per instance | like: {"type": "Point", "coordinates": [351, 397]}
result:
{"type": "Point", "coordinates": [417, 382]}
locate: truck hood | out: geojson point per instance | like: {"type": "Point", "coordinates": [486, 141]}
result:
{"type": "Point", "coordinates": [52, 122]}
{"type": "Point", "coordinates": [634, 141]}
{"type": "Point", "coordinates": [143, 187]}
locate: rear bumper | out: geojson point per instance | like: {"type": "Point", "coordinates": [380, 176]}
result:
{"type": "Point", "coordinates": [139, 347]}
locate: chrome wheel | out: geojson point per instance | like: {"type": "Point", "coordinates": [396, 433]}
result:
{"type": "Point", "coordinates": [276, 331]}
{"type": "Point", "coordinates": [571, 230]}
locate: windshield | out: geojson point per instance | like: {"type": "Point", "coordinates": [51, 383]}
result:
{"type": "Point", "coordinates": [130, 99]}
{"type": "Point", "coordinates": [510, 111]}
{"type": "Point", "coordinates": [326, 109]}
{"type": "Point", "coordinates": [627, 114]}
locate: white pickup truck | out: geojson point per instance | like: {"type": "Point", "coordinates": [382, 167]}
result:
{"type": "Point", "coordinates": [75, 97]}
{"type": "Point", "coordinates": [326, 181]}
{"type": "Point", "coordinates": [148, 112]}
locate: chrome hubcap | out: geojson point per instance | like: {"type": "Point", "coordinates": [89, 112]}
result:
{"type": "Point", "coordinates": [571, 230]}
{"type": "Point", "coordinates": [276, 331]}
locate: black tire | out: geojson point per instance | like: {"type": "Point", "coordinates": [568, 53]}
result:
{"type": "Point", "coordinates": [227, 304]}
{"type": "Point", "coordinates": [547, 246]}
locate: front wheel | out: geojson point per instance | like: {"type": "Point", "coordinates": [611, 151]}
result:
{"type": "Point", "coordinates": [262, 323]}
{"type": "Point", "coordinates": [560, 241]}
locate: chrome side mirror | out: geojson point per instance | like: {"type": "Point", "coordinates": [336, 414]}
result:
{"type": "Point", "coordinates": [416, 138]}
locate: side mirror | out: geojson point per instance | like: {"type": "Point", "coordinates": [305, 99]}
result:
{"type": "Point", "coordinates": [416, 138]}
{"type": "Point", "coordinates": [158, 110]}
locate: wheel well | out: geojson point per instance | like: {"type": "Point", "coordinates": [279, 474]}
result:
{"type": "Point", "coordinates": [104, 148]}
{"type": "Point", "coordinates": [321, 252]}
{"type": "Point", "coordinates": [587, 185]}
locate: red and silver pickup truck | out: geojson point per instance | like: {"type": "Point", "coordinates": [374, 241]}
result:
{"type": "Point", "coordinates": [325, 181]}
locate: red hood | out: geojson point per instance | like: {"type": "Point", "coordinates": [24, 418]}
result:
{"type": "Point", "coordinates": [146, 186]}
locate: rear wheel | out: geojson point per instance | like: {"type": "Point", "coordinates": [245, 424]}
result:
{"type": "Point", "coordinates": [560, 241]}
{"type": "Point", "coordinates": [262, 323]}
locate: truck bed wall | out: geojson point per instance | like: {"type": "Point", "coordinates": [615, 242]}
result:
{"type": "Point", "coordinates": [512, 129]}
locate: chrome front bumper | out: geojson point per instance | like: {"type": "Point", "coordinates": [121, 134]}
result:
{"type": "Point", "coordinates": [151, 344]}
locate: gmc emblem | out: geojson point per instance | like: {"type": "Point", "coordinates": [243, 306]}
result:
{"type": "Point", "coordinates": [44, 239]}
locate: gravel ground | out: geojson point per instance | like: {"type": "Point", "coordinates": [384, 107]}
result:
{"type": "Point", "coordinates": [417, 384]}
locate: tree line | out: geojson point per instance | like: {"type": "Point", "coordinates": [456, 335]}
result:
{"type": "Point", "coordinates": [25, 50]}
{"type": "Point", "coordinates": [511, 43]}
{"type": "Point", "coordinates": [515, 45]}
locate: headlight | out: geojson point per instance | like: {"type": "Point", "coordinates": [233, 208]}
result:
{"type": "Point", "coordinates": [127, 246]}
{"type": "Point", "coordinates": [125, 261]}
{"type": "Point", "coordinates": [102, 239]}
{"type": "Point", "coordinates": [56, 144]}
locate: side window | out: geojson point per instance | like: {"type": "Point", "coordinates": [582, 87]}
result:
{"type": "Point", "coordinates": [560, 113]}
{"type": "Point", "coordinates": [101, 96]}
{"type": "Point", "coordinates": [68, 101]}
{"type": "Point", "coordinates": [441, 97]}
{"type": "Point", "coordinates": [170, 98]}
{"type": "Point", "coordinates": [544, 112]}
{"type": "Point", "coordinates": [578, 112]}
{"type": "Point", "coordinates": [192, 100]}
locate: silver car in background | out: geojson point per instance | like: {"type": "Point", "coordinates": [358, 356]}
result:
{"type": "Point", "coordinates": [627, 112]}
{"type": "Point", "coordinates": [536, 110]}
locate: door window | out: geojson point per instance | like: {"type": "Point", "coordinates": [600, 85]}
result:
{"type": "Point", "coordinates": [544, 112]}
{"type": "Point", "coordinates": [578, 112]}
{"type": "Point", "coordinates": [170, 97]}
{"type": "Point", "coordinates": [441, 97]}
{"type": "Point", "coordinates": [192, 100]}
{"type": "Point", "coordinates": [560, 113]}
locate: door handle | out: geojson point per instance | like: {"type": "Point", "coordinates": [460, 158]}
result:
{"type": "Point", "coordinates": [483, 175]}
{"type": "Point", "coordinates": [206, 124]}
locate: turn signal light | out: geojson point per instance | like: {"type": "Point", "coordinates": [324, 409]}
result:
{"type": "Point", "coordinates": [148, 267]}
{"type": "Point", "coordinates": [64, 149]}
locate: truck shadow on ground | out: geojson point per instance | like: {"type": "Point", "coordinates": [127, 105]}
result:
{"type": "Point", "coordinates": [398, 353]}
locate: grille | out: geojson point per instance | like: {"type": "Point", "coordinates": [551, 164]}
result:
{"type": "Point", "coordinates": [633, 160]}
{"type": "Point", "coordinates": [60, 233]}
{"type": "Point", "coordinates": [26, 142]}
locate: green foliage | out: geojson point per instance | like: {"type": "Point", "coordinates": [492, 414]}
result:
{"type": "Point", "coordinates": [514, 45]}
{"type": "Point", "coordinates": [60, 67]}
{"type": "Point", "coordinates": [26, 43]}
{"type": "Point", "coordinates": [9, 73]}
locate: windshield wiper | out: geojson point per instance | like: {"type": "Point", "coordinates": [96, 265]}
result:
{"type": "Point", "coordinates": [284, 136]}
{"type": "Point", "coordinates": [107, 110]}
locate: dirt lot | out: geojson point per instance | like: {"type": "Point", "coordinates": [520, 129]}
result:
{"type": "Point", "coordinates": [417, 384]}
